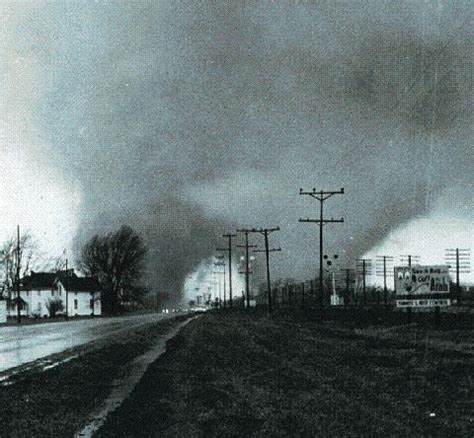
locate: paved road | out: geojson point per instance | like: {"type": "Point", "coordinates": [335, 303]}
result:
{"type": "Point", "coordinates": [23, 344]}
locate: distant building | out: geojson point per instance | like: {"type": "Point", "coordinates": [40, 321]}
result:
{"type": "Point", "coordinates": [36, 292]}
{"type": "Point", "coordinates": [63, 290]}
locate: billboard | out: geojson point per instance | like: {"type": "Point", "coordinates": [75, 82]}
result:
{"type": "Point", "coordinates": [422, 286]}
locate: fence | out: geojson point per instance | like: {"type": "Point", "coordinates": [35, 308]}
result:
{"type": "Point", "coordinates": [304, 297]}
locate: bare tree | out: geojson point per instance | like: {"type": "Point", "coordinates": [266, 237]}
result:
{"type": "Point", "coordinates": [116, 261]}
{"type": "Point", "coordinates": [55, 263]}
{"type": "Point", "coordinates": [11, 259]}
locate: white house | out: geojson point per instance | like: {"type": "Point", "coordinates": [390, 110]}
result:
{"type": "Point", "coordinates": [81, 295]}
{"type": "Point", "coordinates": [36, 291]}
{"type": "Point", "coordinates": [41, 291]}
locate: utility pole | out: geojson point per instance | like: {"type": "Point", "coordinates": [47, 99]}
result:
{"type": "Point", "coordinates": [223, 277]}
{"type": "Point", "coordinates": [349, 280]}
{"type": "Point", "coordinates": [18, 261]}
{"type": "Point", "coordinates": [219, 286]}
{"type": "Point", "coordinates": [321, 196]}
{"type": "Point", "coordinates": [247, 266]}
{"type": "Point", "coordinates": [229, 251]}
{"type": "Point", "coordinates": [215, 291]}
{"type": "Point", "coordinates": [409, 259]}
{"type": "Point", "coordinates": [462, 260]}
{"type": "Point", "coordinates": [364, 267]}
{"type": "Point", "coordinates": [221, 262]}
{"type": "Point", "coordinates": [267, 250]}
{"type": "Point", "coordinates": [381, 270]}
{"type": "Point", "coordinates": [348, 273]}
{"type": "Point", "coordinates": [331, 270]}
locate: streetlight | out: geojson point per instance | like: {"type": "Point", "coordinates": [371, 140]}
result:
{"type": "Point", "coordinates": [246, 271]}
{"type": "Point", "coordinates": [335, 299]}
{"type": "Point", "coordinates": [220, 262]}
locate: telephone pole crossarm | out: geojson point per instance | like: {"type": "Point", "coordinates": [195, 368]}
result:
{"type": "Point", "coordinates": [229, 250]}
{"type": "Point", "coordinates": [247, 267]}
{"type": "Point", "coordinates": [265, 232]}
{"type": "Point", "coordinates": [258, 230]}
{"type": "Point", "coordinates": [270, 250]}
{"type": "Point", "coordinates": [324, 221]}
{"type": "Point", "coordinates": [321, 196]}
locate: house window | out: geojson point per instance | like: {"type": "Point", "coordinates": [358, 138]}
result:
{"type": "Point", "coordinates": [39, 293]}
{"type": "Point", "coordinates": [92, 304]}
{"type": "Point", "coordinates": [75, 304]}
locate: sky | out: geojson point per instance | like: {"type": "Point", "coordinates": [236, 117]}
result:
{"type": "Point", "coordinates": [187, 120]}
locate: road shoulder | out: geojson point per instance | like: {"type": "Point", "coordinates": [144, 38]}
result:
{"type": "Point", "coordinates": [57, 402]}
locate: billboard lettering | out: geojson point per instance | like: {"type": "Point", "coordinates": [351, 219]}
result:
{"type": "Point", "coordinates": [421, 280]}
{"type": "Point", "coordinates": [424, 303]}
{"type": "Point", "coordinates": [422, 286]}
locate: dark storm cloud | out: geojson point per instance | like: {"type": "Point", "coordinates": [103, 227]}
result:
{"type": "Point", "coordinates": [185, 119]}
{"type": "Point", "coordinates": [425, 83]}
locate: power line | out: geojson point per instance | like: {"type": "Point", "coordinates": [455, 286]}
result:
{"type": "Point", "coordinates": [247, 267]}
{"type": "Point", "coordinates": [221, 262]}
{"type": "Point", "coordinates": [462, 259]}
{"type": "Point", "coordinates": [321, 196]}
{"type": "Point", "coordinates": [348, 280]}
{"type": "Point", "coordinates": [267, 250]}
{"type": "Point", "coordinates": [229, 250]}
{"type": "Point", "coordinates": [219, 285]}
{"type": "Point", "coordinates": [364, 268]}
{"type": "Point", "coordinates": [409, 259]}
{"type": "Point", "coordinates": [381, 270]}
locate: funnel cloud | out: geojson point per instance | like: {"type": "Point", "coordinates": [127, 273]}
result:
{"type": "Point", "coordinates": [187, 120]}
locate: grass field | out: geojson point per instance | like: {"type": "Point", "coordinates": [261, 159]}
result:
{"type": "Point", "coordinates": [239, 375]}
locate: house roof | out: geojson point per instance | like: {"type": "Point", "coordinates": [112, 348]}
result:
{"type": "Point", "coordinates": [44, 280]}
{"type": "Point", "coordinates": [39, 280]}
{"type": "Point", "coordinates": [80, 284]}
